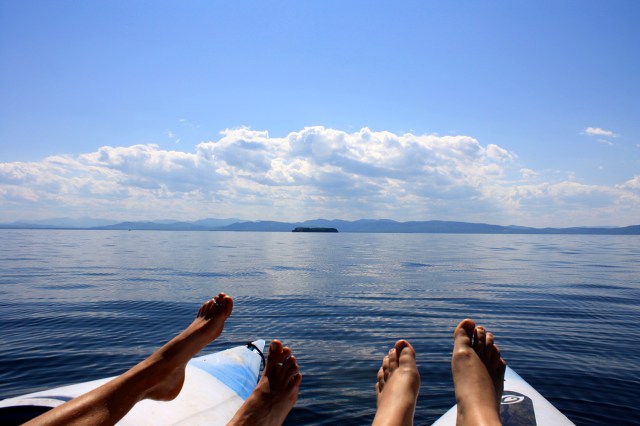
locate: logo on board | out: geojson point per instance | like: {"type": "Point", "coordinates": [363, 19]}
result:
{"type": "Point", "coordinates": [511, 399]}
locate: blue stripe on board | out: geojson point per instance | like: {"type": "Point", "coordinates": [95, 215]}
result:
{"type": "Point", "coordinates": [238, 376]}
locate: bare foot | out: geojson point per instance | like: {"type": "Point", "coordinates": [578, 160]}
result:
{"type": "Point", "coordinates": [489, 353]}
{"type": "Point", "coordinates": [173, 357]}
{"type": "Point", "coordinates": [276, 392]}
{"type": "Point", "coordinates": [158, 377]}
{"type": "Point", "coordinates": [478, 375]}
{"type": "Point", "coordinates": [398, 386]}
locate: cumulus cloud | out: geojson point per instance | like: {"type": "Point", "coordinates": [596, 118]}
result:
{"type": "Point", "coordinates": [310, 173]}
{"type": "Point", "coordinates": [528, 174]}
{"type": "Point", "coordinates": [633, 184]}
{"type": "Point", "coordinates": [597, 131]}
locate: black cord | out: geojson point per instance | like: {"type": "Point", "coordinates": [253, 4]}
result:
{"type": "Point", "coordinates": [250, 345]}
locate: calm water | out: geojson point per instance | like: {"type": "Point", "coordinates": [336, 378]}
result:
{"type": "Point", "coordinates": [80, 305]}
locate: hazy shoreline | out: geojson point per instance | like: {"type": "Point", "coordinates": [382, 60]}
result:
{"type": "Point", "coordinates": [358, 226]}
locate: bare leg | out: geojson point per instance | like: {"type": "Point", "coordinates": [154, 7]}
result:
{"type": "Point", "coordinates": [276, 392]}
{"type": "Point", "coordinates": [158, 377]}
{"type": "Point", "coordinates": [397, 387]}
{"type": "Point", "coordinates": [478, 375]}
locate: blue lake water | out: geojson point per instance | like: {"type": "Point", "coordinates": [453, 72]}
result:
{"type": "Point", "coordinates": [81, 305]}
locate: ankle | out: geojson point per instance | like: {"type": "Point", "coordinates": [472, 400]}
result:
{"type": "Point", "coordinates": [478, 416]}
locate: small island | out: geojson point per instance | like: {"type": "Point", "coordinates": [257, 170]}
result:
{"type": "Point", "coordinates": [303, 229]}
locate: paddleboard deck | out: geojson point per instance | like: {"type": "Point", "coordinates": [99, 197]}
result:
{"type": "Point", "coordinates": [215, 387]}
{"type": "Point", "coordinates": [521, 405]}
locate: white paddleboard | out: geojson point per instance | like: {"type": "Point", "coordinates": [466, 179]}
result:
{"type": "Point", "coordinates": [521, 405]}
{"type": "Point", "coordinates": [215, 387]}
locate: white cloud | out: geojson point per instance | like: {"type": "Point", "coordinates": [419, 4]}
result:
{"type": "Point", "coordinates": [633, 184]}
{"type": "Point", "coordinates": [188, 124]}
{"type": "Point", "coordinates": [309, 173]}
{"type": "Point", "coordinates": [528, 174]}
{"type": "Point", "coordinates": [597, 131]}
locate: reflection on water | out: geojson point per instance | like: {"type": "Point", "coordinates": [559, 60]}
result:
{"type": "Point", "coordinates": [80, 305]}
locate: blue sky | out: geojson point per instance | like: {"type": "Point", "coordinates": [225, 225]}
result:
{"type": "Point", "coordinates": [502, 112]}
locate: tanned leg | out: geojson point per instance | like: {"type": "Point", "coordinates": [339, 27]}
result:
{"type": "Point", "coordinates": [276, 392]}
{"type": "Point", "coordinates": [158, 377]}
{"type": "Point", "coordinates": [397, 387]}
{"type": "Point", "coordinates": [478, 375]}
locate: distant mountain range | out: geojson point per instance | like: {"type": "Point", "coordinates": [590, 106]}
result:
{"type": "Point", "coordinates": [362, 225]}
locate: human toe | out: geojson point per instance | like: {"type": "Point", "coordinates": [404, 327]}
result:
{"type": "Point", "coordinates": [275, 353]}
{"type": "Point", "coordinates": [393, 359]}
{"type": "Point", "coordinates": [290, 365]}
{"type": "Point", "coordinates": [385, 368]}
{"type": "Point", "coordinates": [465, 328]}
{"type": "Point", "coordinates": [380, 379]}
{"type": "Point", "coordinates": [479, 339]}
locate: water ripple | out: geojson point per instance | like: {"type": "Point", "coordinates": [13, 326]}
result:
{"type": "Point", "coordinates": [78, 306]}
